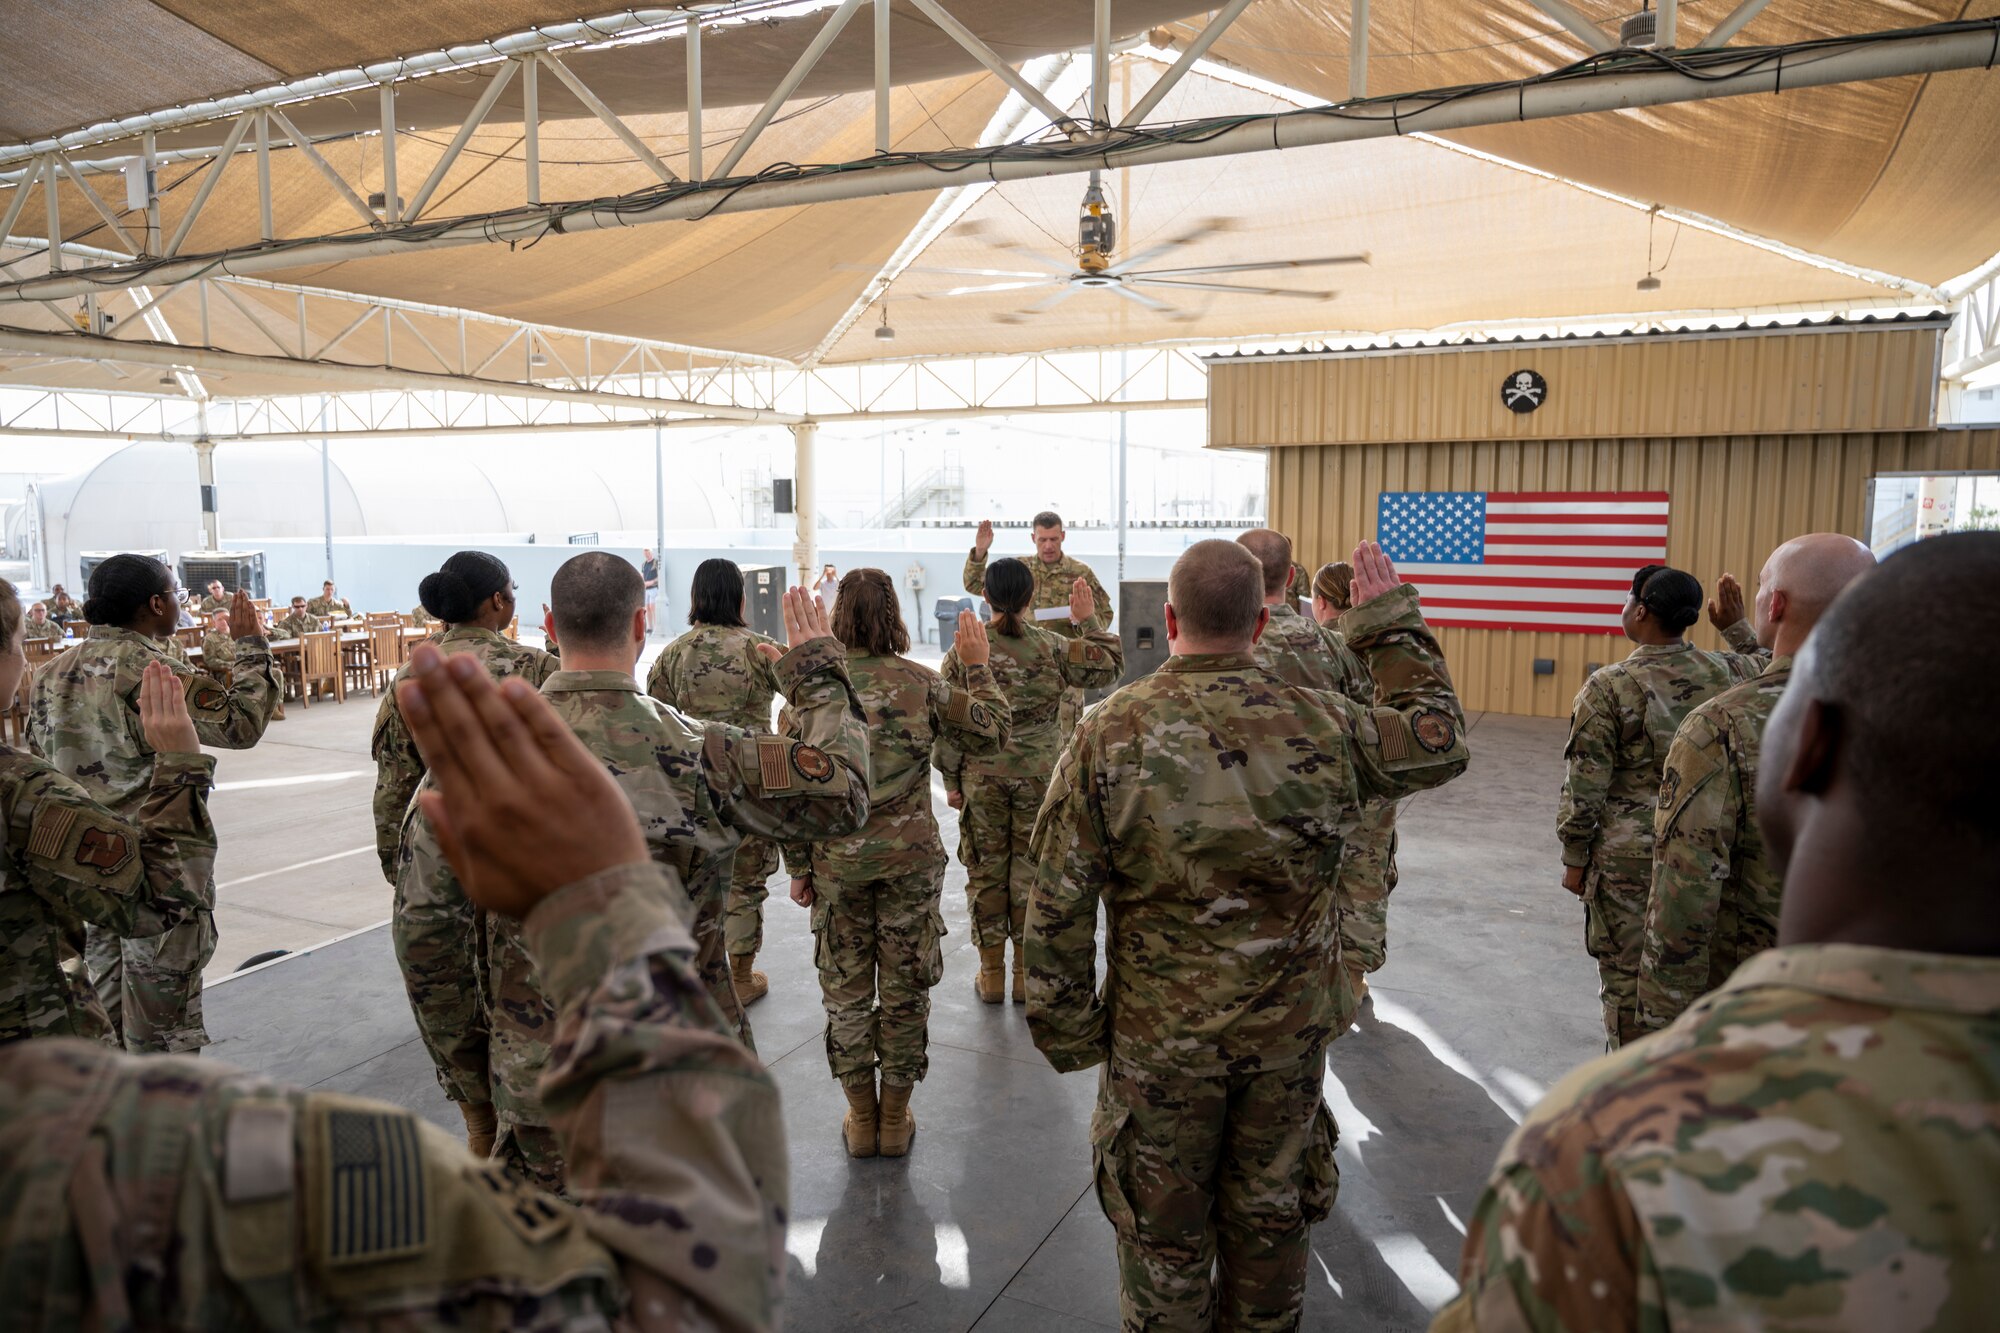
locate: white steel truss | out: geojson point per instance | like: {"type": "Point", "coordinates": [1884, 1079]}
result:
{"type": "Point", "coordinates": [1614, 80]}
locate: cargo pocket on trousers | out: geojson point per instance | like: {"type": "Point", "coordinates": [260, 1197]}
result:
{"type": "Point", "coordinates": [934, 946]}
{"type": "Point", "coordinates": [1107, 1125]}
{"type": "Point", "coordinates": [1597, 941]}
{"type": "Point", "coordinates": [1319, 1185]}
{"type": "Point", "coordinates": [821, 918]}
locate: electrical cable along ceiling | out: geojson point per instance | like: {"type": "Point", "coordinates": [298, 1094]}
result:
{"type": "Point", "coordinates": [1545, 220]}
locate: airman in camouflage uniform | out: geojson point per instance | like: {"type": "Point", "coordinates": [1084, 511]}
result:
{"type": "Point", "coordinates": [1053, 581]}
{"type": "Point", "coordinates": [296, 624]}
{"type": "Point", "coordinates": [697, 787]}
{"type": "Point", "coordinates": [329, 607]}
{"type": "Point", "coordinates": [669, 1124]}
{"type": "Point", "coordinates": [874, 894]}
{"type": "Point", "coordinates": [433, 929]}
{"type": "Point", "coordinates": [37, 625]}
{"type": "Point", "coordinates": [999, 795]}
{"type": "Point", "coordinates": [1205, 806]}
{"type": "Point", "coordinates": [714, 672]}
{"type": "Point", "coordinates": [218, 654]}
{"type": "Point", "coordinates": [71, 861]}
{"type": "Point", "coordinates": [1312, 656]}
{"type": "Point", "coordinates": [1622, 722]}
{"type": "Point", "coordinates": [84, 719]}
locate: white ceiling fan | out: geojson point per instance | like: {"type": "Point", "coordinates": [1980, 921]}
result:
{"type": "Point", "coordinates": [1096, 270]}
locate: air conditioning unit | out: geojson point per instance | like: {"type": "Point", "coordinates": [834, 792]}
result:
{"type": "Point", "coordinates": [235, 569]}
{"type": "Point", "coordinates": [90, 560]}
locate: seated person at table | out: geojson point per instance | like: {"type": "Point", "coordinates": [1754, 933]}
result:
{"type": "Point", "coordinates": [328, 605]}
{"type": "Point", "coordinates": [423, 619]}
{"type": "Point", "coordinates": [61, 607]}
{"type": "Point", "coordinates": [216, 600]}
{"type": "Point", "coordinates": [300, 622]}
{"type": "Point", "coordinates": [38, 625]}
{"type": "Point", "coordinates": [218, 650]}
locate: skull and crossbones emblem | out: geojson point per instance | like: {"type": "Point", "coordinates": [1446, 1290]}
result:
{"type": "Point", "coordinates": [1523, 391]}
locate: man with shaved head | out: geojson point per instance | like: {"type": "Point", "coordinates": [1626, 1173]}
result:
{"type": "Point", "coordinates": [1316, 657]}
{"type": "Point", "coordinates": [1812, 1145]}
{"type": "Point", "coordinates": [1715, 894]}
{"type": "Point", "coordinates": [1205, 807]}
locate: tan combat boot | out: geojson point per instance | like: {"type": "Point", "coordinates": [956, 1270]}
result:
{"type": "Point", "coordinates": [1020, 977]}
{"type": "Point", "coordinates": [859, 1126]}
{"type": "Point", "coordinates": [750, 986]}
{"type": "Point", "coordinates": [991, 983]}
{"type": "Point", "coordinates": [895, 1126]}
{"type": "Point", "coordinates": [480, 1125]}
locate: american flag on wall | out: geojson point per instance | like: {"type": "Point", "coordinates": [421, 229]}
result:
{"type": "Point", "coordinates": [1533, 560]}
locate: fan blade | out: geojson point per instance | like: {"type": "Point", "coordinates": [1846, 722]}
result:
{"type": "Point", "coordinates": [1206, 228]}
{"type": "Point", "coordinates": [955, 272]}
{"type": "Point", "coordinates": [1052, 300]}
{"type": "Point", "coordinates": [1230, 287]}
{"type": "Point", "coordinates": [978, 291]}
{"type": "Point", "coordinates": [1252, 268]}
{"type": "Point", "coordinates": [1143, 299]}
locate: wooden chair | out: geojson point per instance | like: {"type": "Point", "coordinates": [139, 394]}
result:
{"type": "Point", "coordinates": [262, 604]}
{"type": "Point", "coordinates": [14, 720]}
{"type": "Point", "coordinates": [42, 650]}
{"type": "Point", "coordinates": [190, 637]}
{"type": "Point", "coordinates": [320, 666]}
{"type": "Point", "coordinates": [513, 630]}
{"type": "Point", "coordinates": [387, 648]}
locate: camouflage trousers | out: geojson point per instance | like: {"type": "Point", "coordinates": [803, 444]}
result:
{"type": "Point", "coordinates": [520, 1023]}
{"type": "Point", "coordinates": [749, 886]}
{"type": "Point", "coordinates": [151, 988]}
{"type": "Point", "coordinates": [441, 949]}
{"type": "Point", "coordinates": [1614, 931]}
{"type": "Point", "coordinates": [993, 834]}
{"type": "Point", "coordinates": [532, 1153]}
{"type": "Point", "coordinates": [1367, 875]}
{"type": "Point", "coordinates": [878, 949]}
{"type": "Point", "coordinates": [709, 895]}
{"type": "Point", "coordinates": [1212, 1186]}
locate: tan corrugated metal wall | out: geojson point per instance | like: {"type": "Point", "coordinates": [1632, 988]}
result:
{"type": "Point", "coordinates": [1734, 498]}
{"type": "Point", "coordinates": [1752, 382]}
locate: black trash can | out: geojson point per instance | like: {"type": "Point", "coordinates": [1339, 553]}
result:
{"type": "Point", "coordinates": [947, 620]}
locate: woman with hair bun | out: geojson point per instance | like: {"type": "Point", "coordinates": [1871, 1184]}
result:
{"type": "Point", "coordinates": [434, 926]}
{"type": "Point", "coordinates": [71, 863]}
{"type": "Point", "coordinates": [85, 719]}
{"type": "Point", "coordinates": [1621, 725]}
{"type": "Point", "coordinates": [997, 796]}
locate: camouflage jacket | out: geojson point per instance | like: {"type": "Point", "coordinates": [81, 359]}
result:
{"type": "Point", "coordinates": [1620, 727]}
{"type": "Point", "coordinates": [210, 605]}
{"type": "Point", "coordinates": [421, 617]}
{"type": "Point", "coordinates": [171, 1192]}
{"type": "Point", "coordinates": [218, 652]}
{"type": "Point", "coordinates": [398, 766]}
{"type": "Point", "coordinates": [71, 861]}
{"type": "Point", "coordinates": [294, 626]}
{"type": "Point", "coordinates": [84, 714]}
{"type": "Point", "coordinates": [1302, 652]}
{"type": "Point", "coordinates": [1034, 671]}
{"type": "Point", "coordinates": [329, 608]}
{"type": "Point", "coordinates": [1052, 586]}
{"type": "Point", "coordinates": [40, 629]}
{"type": "Point", "coordinates": [1205, 805]}
{"type": "Point", "coordinates": [1715, 892]}
{"type": "Point", "coordinates": [714, 672]}
{"type": "Point", "coordinates": [906, 708]}
{"type": "Point", "coordinates": [1808, 1147]}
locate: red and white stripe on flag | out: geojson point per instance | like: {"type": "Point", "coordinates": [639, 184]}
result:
{"type": "Point", "coordinates": [1538, 560]}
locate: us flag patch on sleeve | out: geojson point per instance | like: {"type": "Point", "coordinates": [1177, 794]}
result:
{"type": "Point", "coordinates": [375, 1204]}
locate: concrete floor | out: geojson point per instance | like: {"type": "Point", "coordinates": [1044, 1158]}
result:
{"type": "Point", "coordinates": [990, 1223]}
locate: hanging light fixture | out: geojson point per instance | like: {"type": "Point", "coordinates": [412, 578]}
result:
{"type": "Point", "coordinates": [1650, 283]}
{"type": "Point", "coordinates": [883, 332]}
{"type": "Point", "coordinates": [1641, 31]}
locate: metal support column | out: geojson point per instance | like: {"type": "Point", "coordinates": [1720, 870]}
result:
{"type": "Point", "coordinates": [805, 503]}
{"type": "Point", "coordinates": [326, 489]}
{"type": "Point", "coordinates": [204, 466]}
{"type": "Point", "coordinates": [531, 125]}
{"type": "Point", "coordinates": [694, 96]}
{"type": "Point", "coordinates": [882, 131]}
{"type": "Point", "coordinates": [1357, 51]}
{"type": "Point", "coordinates": [660, 523]}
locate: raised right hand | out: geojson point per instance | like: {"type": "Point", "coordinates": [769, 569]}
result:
{"type": "Point", "coordinates": [1374, 573]}
{"type": "Point", "coordinates": [1726, 607]}
{"type": "Point", "coordinates": [245, 621]}
{"type": "Point", "coordinates": [1082, 602]}
{"type": "Point", "coordinates": [519, 807]}
{"type": "Point", "coordinates": [983, 541]}
{"type": "Point", "coordinates": [805, 618]}
{"type": "Point", "coordinates": [972, 645]}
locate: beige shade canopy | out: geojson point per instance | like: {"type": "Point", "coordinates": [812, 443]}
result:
{"type": "Point", "coordinates": [1545, 221]}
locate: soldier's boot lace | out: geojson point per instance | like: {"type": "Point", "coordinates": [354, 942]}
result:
{"type": "Point", "coordinates": [895, 1126]}
{"type": "Point", "coordinates": [480, 1126]}
{"type": "Point", "coordinates": [991, 983]}
{"type": "Point", "coordinates": [859, 1126]}
{"type": "Point", "coordinates": [750, 986]}
{"type": "Point", "coordinates": [1020, 977]}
